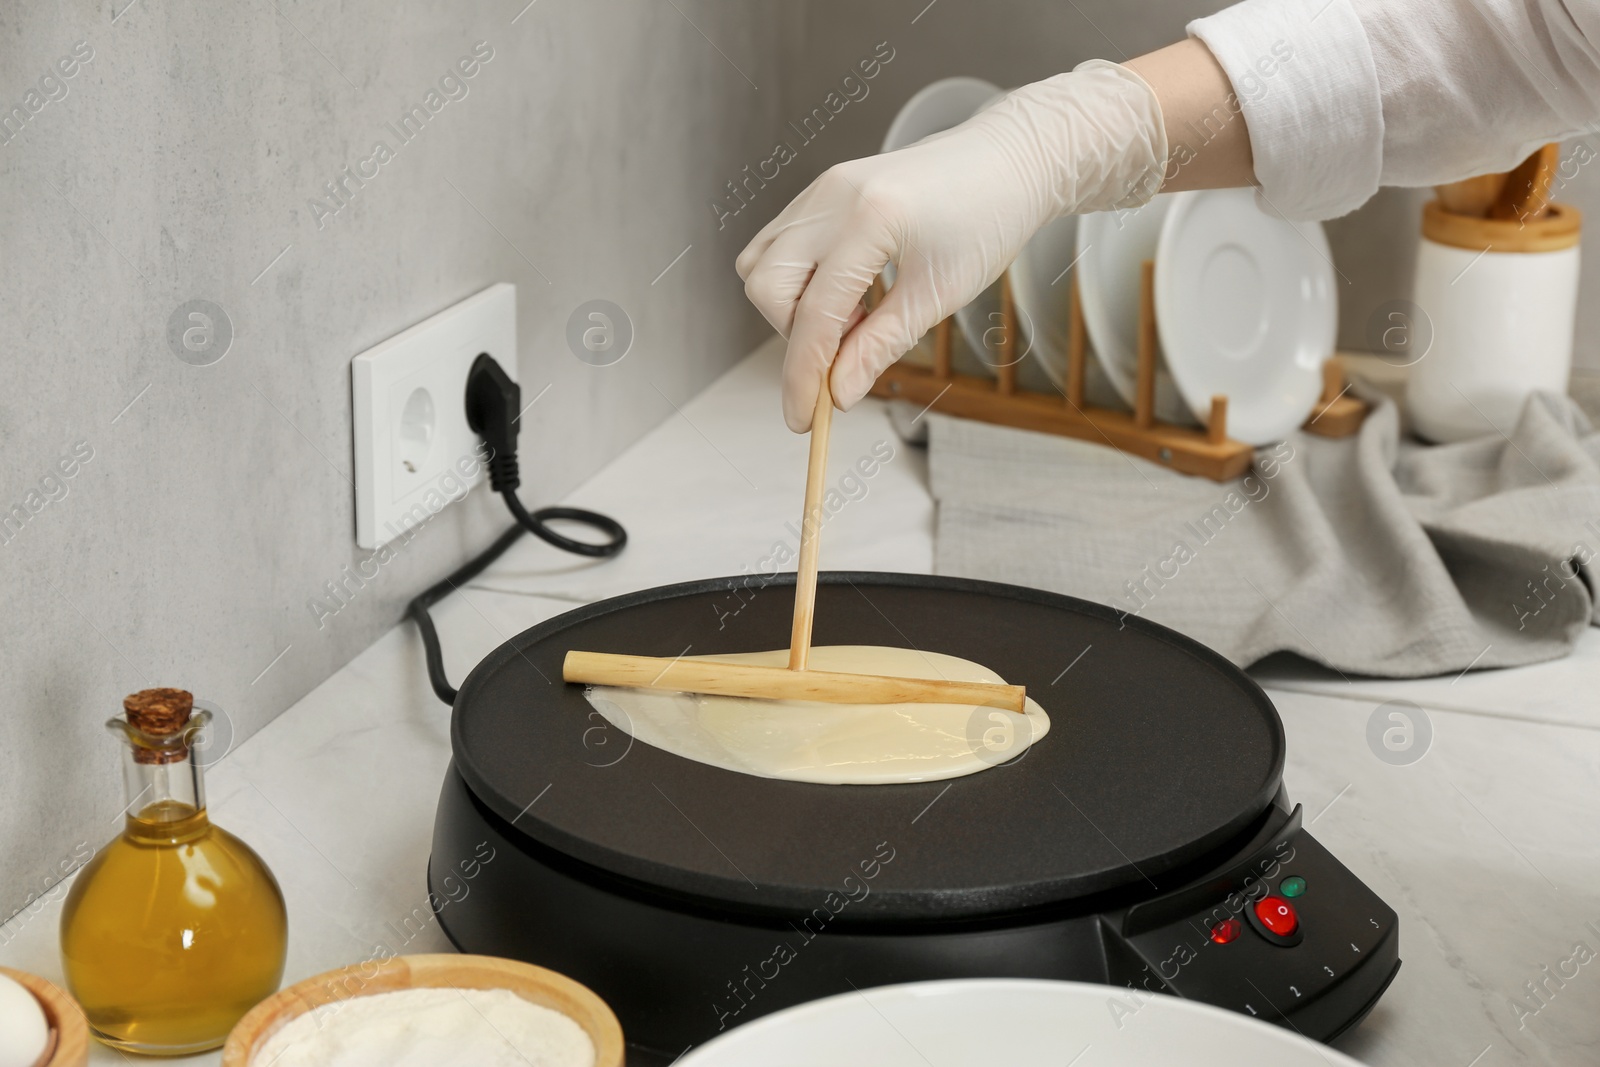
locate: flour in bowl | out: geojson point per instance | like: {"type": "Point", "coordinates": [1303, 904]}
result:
{"type": "Point", "coordinates": [429, 1028]}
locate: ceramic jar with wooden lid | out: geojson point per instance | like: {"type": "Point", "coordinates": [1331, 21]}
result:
{"type": "Point", "coordinates": [1500, 295]}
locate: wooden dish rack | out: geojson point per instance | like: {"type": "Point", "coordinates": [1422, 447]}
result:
{"type": "Point", "coordinates": [1207, 451]}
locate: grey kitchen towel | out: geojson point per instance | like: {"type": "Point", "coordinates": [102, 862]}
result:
{"type": "Point", "coordinates": [1372, 554]}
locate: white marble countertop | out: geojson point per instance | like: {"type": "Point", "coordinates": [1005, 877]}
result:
{"type": "Point", "coordinates": [1488, 846]}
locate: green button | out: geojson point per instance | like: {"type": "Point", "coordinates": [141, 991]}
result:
{"type": "Point", "coordinates": [1292, 887]}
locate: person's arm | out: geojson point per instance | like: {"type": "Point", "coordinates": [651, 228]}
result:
{"type": "Point", "coordinates": [1316, 102]}
{"type": "Point", "coordinates": [1208, 142]}
{"type": "Point", "coordinates": [1342, 96]}
{"type": "Point", "coordinates": [951, 212]}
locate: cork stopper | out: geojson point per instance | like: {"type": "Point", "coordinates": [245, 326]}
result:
{"type": "Point", "coordinates": [160, 713]}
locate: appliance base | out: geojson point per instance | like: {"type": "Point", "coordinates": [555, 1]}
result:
{"type": "Point", "coordinates": [679, 971]}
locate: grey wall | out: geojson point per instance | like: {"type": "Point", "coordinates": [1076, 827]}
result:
{"type": "Point", "coordinates": [1011, 42]}
{"type": "Point", "coordinates": [179, 163]}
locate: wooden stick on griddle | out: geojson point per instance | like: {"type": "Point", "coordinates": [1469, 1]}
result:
{"type": "Point", "coordinates": [805, 579]}
{"type": "Point", "coordinates": [780, 683]}
{"type": "Point", "coordinates": [796, 682]}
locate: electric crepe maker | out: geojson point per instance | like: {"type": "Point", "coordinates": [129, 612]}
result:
{"type": "Point", "coordinates": [1146, 842]}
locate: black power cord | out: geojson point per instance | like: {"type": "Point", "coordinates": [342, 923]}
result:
{"type": "Point", "coordinates": [493, 403]}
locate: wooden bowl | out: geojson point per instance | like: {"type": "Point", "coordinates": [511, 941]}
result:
{"type": "Point", "coordinates": [66, 1019]}
{"type": "Point", "coordinates": [439, 971]}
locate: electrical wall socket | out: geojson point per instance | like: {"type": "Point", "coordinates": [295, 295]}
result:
{"type": "Point", "coordinates": [412, 441]}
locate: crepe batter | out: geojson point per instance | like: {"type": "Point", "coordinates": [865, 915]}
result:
{"type": "Point", "coordinates": [831, 744]}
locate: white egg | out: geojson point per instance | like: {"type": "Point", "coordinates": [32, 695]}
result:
{"type": "Point", "coordinates": [23, 1030]}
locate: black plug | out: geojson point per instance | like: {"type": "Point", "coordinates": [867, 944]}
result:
{"type": "Point", "coordinates": [493, 403]}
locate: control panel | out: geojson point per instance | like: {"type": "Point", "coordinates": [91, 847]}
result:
{"type": "Point", "coordinates": [1286, 934]}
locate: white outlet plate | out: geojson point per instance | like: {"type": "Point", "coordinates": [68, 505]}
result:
{"type": "Point", "coordinates": [414, 450]}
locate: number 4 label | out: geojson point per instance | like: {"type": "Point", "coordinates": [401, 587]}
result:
{"type": "Point", "coordinates": [1353, 947]}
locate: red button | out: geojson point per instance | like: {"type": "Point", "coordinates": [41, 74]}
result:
{"type": "Point", "coordinates": [1277, 915]}
{"type": "Point", "coordinates": [1226, 931]}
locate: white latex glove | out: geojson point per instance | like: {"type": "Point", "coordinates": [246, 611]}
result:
{"type": "Point", "coordinates": [951, 212]}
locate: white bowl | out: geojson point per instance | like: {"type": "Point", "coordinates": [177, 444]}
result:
{"type": "Point", "coordinates": [979, 1022]}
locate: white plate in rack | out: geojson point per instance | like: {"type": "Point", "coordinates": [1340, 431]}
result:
{"type": "Point", "coordinates": [980, 321]}
{"type": "Point", "coordinates": [1246, 308]}
{"type": "Point", "coordinates": [1041, 280]}
{"type": "Point", "coordinates": [1024, 1022]}
{"type": "Point", "coordinates": [1112, 247]}
{"type": "Point", "coordinates": [937, 107]}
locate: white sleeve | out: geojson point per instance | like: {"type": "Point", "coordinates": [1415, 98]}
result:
{"type": "Point", "coordinates": [1342, 96]}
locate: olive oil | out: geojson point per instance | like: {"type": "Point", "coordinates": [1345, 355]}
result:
{"type": "Point", "coordinates": [176, 928]}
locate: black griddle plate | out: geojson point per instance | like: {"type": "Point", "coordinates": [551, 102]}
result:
{"type": "Point", "coordinates": [1159, 751]}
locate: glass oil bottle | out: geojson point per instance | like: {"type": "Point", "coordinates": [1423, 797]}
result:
{"type": "Point", "coordinates": [176, 928]}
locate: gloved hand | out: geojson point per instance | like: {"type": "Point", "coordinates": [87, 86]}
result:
{"type": "Point", "coordinates": [951, 212]}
